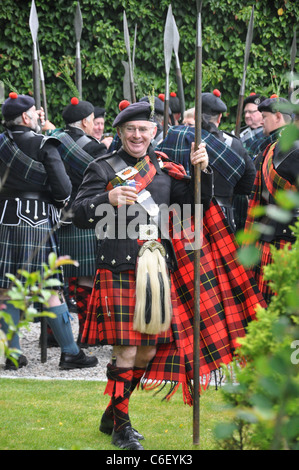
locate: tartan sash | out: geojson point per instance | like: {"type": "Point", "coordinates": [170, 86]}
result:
{"type": "Point", "coordinates": [273, 181]}
{"type": "Point", "coordinates": [19, 163]}
{"type": "Point", "coordinates": [147, 171]}
{"type": "Point", "coordinates": [70, 152]}
{"type": "Point", "coordinates": [253, 139]}
{"type": "Point", "coordinates": [222, 158]}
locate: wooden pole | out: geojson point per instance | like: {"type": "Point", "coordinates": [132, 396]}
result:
{"type": "Point", "coordinates": [198, 223]}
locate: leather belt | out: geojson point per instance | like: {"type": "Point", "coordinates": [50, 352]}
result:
{"type": "Point", "coordinates": [40, 196]}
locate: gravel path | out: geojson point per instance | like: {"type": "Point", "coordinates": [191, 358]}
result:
{"type": "Point", "coordinates": [50, 369]}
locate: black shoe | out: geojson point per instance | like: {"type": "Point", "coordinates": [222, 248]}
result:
{"type": "Point", "coordinates": [106, 426]}
{"type": "Point", "coordinates": [77, 361]}
{"type": "Point", "coordinates": [22, 362]}
{"type": "Point", "coordinates": [126, 439]}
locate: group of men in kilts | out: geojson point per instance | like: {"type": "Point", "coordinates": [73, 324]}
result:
{"type": "Point", "coordinates": [136, 260]}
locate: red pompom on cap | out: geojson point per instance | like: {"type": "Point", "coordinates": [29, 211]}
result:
{"type": "Point", "coordinates": [74, 101]}
{"type": "Point", "coordinates": [173, 94]}
{"type": "Point", "coordinates": [216, 93]}
{"type": "Point", "coordinates": [123, 104]}
{"type": "Point", "coordinates": [273, 96]}
{"type": "Point", "coordinates": [13, 95]}
{"type": "Point", "coordinates": [252, 93]}
{"type": "Point", "coordinates": [162, 96]}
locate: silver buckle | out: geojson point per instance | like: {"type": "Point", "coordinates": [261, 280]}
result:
{"type": "Point", "coordinates": [148, 232]}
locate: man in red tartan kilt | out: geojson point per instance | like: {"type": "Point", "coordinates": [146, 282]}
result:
{"type": "Point", "coordinates": [134, 307]}
{"type": "Point", "coordinates": [115, 283]}
{"type": "Point", "coordinates": [276, 170]}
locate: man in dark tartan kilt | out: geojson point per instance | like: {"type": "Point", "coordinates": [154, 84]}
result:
{"type": "Point", "coordinates": [133, 306]}
{"type": "Point", "coordinates": [234, 171]}
{"type": "Point", "coordinates": [276, 170]}
{"type": "Point", "coordinates": [77, 149]}
{"type": "Point", "coordinates": [34, 187]}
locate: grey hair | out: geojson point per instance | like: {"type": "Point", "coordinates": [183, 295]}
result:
{"type": "Point", "coordinates": [78, 123]}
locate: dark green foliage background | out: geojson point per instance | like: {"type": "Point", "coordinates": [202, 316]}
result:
{"type": "Point", "coordinates": [102, 48]}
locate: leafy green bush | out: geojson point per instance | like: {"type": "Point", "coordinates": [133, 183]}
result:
{"type": "Point", "coordinates": [102, 48]}
{"type": "Point", "coordinates": [37, 289]}
{"type": "Point", "coordinates": [263, 406]}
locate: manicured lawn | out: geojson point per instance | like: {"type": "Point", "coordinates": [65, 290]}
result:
{"type": "Point", "coordinates": [52, 415]}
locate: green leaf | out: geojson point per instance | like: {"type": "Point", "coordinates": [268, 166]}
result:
{"type": "Point", "coordinates": [248, 256]}
{"type": "Point", "coordinates": [278, 214]}
{"type": "Point", "coordinates": [287, 200]}
{"type": "Point", "coordinates": [52, 260]}
{"type": "Point", "coordinates": [288, 137]}
{"type": "Point", "coordinates": [225, 430]}
{"type": "Point", "coordinates": [52, 283]}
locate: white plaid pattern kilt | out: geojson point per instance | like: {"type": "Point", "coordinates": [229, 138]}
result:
{"type": "Point", "coordinates": [81, 246]}
{"type": "Point", "coordinates": [25, 247]}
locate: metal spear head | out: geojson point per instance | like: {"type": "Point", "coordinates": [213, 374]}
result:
{"type": "Point", "coordinates": [198, 6]}
{"type": "Point", "coordinates": [127, 36]}
{"type": "Point", "coordinates": [176, 37]}
{"type": "Point", "coordinates": [249, 38]}
{"type": "Point", "coordinates": [78, 22]}
{"type": "Point", "coordinates": [128, 47]}
{"type": "Point", "coordinates": [33, 22]}
{"type": "Point", "coordinates": [134, 48]}
{"type": "Point", "coordinates": [126, 82]}
{"type": "Point", "coordinates": [168, 39]}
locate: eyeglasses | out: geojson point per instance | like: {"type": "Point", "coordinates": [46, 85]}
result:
{"type": "Point", "coordinates": [251, 112]}
{"type": "Point", "coordinates": [142, 129]}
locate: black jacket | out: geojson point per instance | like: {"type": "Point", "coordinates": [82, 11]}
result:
{"type": "Point", "coordinates": [92, 146]}
{"type": "Point", "coordinates": [21, 199]}
{"type": "Point", "coordinates": [244, 186]}
{"type": "Point", "coordinates": [118, 254]}
{"type": "Point", "coordinates": [29, 142]}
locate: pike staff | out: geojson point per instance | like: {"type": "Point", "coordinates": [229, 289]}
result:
{"type": "Point", "coordinates": [33, 24]}
{"type": "Point", "coordinates": [246, 59]}
{"type": "Point", "coordinates": [37, 69]}
{"type": "Point", "coordinates": [43, 84]}
{"type": "Point", "coordinates": [78, 24]}
{"type": "Point", "coordinates": [197, 226]}
{"type": "Point", "coordinates": [168, 47]}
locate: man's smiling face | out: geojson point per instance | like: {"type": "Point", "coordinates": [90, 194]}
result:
{"type": "Point", "coordinates": [136, 137]}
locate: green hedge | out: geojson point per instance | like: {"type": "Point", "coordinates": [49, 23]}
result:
{"type": "Point", "coordinates": [102, 48]}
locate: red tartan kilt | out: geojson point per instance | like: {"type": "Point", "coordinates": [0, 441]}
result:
{"type": "Point", "coordinates": [111, 312]}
